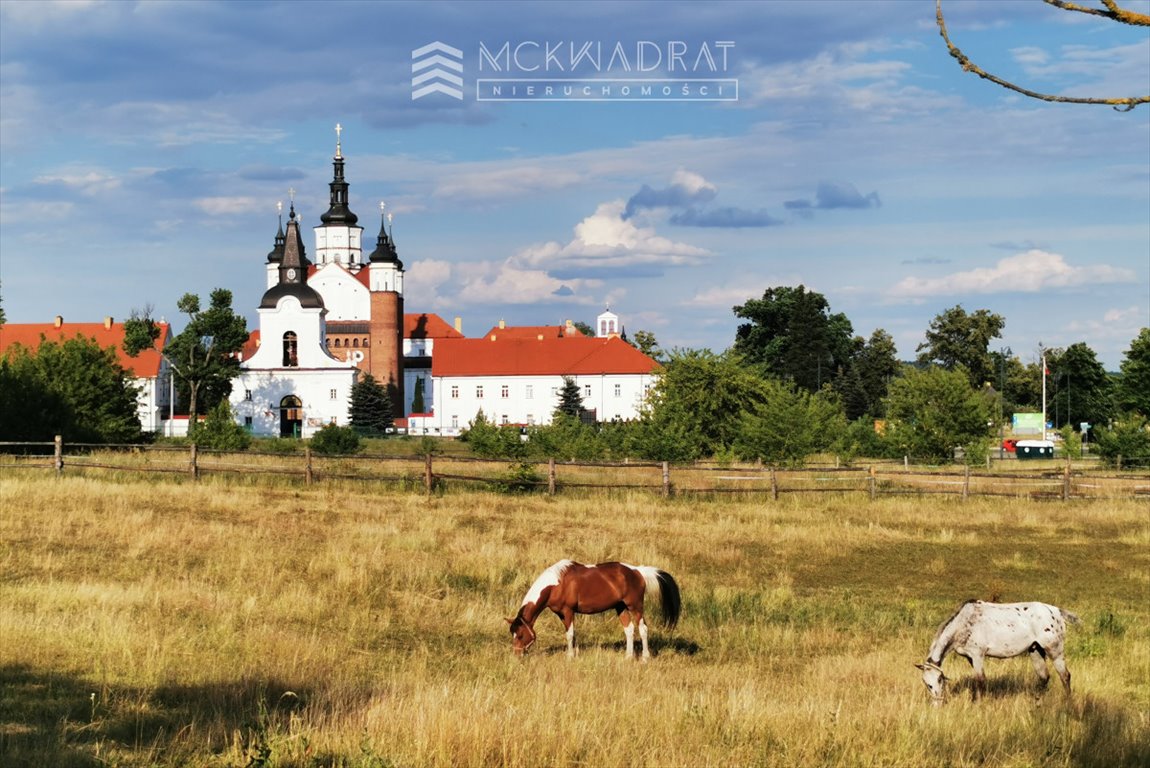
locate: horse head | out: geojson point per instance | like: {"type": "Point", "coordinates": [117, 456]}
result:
{"type": "Point", "coordinates": [522, 635]}
{"type": "Point", "coordinates": [934, 679]}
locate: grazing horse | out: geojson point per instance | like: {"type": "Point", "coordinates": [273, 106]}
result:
{"type": "Point", "coordinates": [978, 630]}
{"type": "Point", "coordinates": [568, 588]}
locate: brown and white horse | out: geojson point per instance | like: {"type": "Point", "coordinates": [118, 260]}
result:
{"type": "Point", "coordinates": [568, 588]}
{"type": "Point", "coordinates": [979, 630]}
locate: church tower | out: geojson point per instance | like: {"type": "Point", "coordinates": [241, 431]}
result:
{"type": "Point", "coordinates": [338, 240]}
{"type": "Point", "coordinates": [385, 283]}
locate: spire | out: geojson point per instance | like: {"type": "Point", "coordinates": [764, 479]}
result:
{"type": "Point", "coordinates": [292, 271]}
{"type": "Point", "coordinates": [276, 254]}
{"type": "Point", "coordinates": [384, 245]}
{"type": "Point", "coordinates": [338, 212]}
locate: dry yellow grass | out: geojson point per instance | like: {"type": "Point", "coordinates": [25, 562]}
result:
{"type": "Point", "coordinates": [222, 624]}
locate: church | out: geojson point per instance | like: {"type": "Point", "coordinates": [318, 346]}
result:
{"type": "Point", "coordinates": [325, 322]}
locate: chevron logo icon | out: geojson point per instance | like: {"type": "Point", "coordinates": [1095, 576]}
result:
{"type": "Point", "coordinates": [437, 68]}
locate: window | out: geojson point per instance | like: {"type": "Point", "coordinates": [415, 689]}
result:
{"type": "Point", "coordinates": [504, 420]}
{"type": "Point", "coordinates": [290, 358]}
{"type": "Point", "coordinates": [618, 390]}
{"type": "Point", "coordinates": [454, 391]}
{"type": "Point", "coordinates": [586, 390]}
{"type": "Point", "coordinates": [455, 422]}
{"type": "Point", "coordinates": [337, 343]}
{"type": "Point", "coordinates": [479, 392]}
{"type": "Point", "coordinates": [531, 419]}
{"type": "Point", "coordinates": [505, 391]}
{"type": "Point", "coordinates": [355, 343]}
{"type": "Point", "coordinates": [248, 395]}
{"type": "Point", "coordinates": [335, 394]}
{"type": "Point", "coordinates": [529, 392]}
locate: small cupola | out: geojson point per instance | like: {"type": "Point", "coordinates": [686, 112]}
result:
{"type": "Point", "coordinates": [385, 251]}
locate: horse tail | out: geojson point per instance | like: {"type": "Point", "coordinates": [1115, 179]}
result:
{"type": "Point", "coordinates": [1070, 617]}
{"type": "Point", "coordinates": [664, 586]}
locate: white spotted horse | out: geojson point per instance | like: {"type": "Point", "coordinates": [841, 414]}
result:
{"type": "Point", "coordinates": [979, 630]}
{"type": "Point", "coordinates": [568, 588]}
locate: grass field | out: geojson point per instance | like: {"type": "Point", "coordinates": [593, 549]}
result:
{"type": "Point", "coordinates": [217, 624]}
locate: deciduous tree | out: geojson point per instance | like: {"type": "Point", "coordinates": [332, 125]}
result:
{"type": "Point", "coordinates": [1134, 384]}
{"type": "Point", "coordinates": [792, 333]}
{"type": "Point", "coordinates": [956, 338]}
{"type": "Point", "coordinates": [930, 412]}
{"type": "Point", "coordinates": [1078, 389]}
{"type": "Point", "coordinates": [204, 356]}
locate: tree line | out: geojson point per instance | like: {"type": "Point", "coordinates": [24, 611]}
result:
{"type": "Point", "coordinates": [796, 381]}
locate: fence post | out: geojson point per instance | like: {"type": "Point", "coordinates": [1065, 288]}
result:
{"type": "Point", "coordinates": [194, 466]}
{"type": "Point", "coordinates": [428, 477]}
{"type": "Point", "coordinates": [1066, 482]}
{"type": "Point", "coordinates": [871, 482]}
{"type": "Point", "coordinates": [551, 476]}
{"type": "Point", "coordinates": [58, 458]}
{"type": "Point", "coordinates": [666, 479]}
{"type": "Point", "coordinates": [307, 475]}
{"type": "Point", "coordinates": [966, 482]}
{"type": "Point", "coordinates": [774, 485]}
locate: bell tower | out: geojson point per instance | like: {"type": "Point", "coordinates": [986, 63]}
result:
{"type": "Point", "coordinates": [385, 283]}
{"type": "Point", "coordinates": [338, 240]}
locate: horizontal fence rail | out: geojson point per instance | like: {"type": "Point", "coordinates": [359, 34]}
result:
{"type": "Point", "coordinates": [1041, 479]}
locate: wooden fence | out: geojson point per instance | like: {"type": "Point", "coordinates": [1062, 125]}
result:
{"type": "Point", "coordinates": [1044, 479]}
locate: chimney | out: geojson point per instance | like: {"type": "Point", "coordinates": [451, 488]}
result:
{"type": "Point", "coordinates": [58, 322]}
{"type": "Point", "coordinates": [459, 323]}
{"type": "Point", "coordinates": [108, 323]}
{"type": "Point", "coordinates": [502, 324]}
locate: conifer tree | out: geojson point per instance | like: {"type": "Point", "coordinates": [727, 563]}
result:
{"type": "Point", "coordinates": [570, 400]}
{"type": "Point", "coordinates": [370, 407]}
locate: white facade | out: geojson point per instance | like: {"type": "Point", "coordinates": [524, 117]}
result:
{"type": "Point", "coordinates": [344, 296]}
{"type": "Point", "coordinates": [526, 400]}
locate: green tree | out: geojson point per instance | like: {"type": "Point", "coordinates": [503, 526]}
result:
{"type": "Point", "coordinates": [956, 339]}
{"type": "Point", "coordinates": [369, 409]}
{"type": "Point", "coordinates": [646, 343]}
{"type": "Point", "coordinates": [695, 406]}
{"type": "Point", "coordinates": [932, 411]}
{"type": "Point", "coordinates": [1134, 383]}
{"type": "Point", "coordinates": [71, 388]}
{"type": "Point", "coordinates": [864, 385]}
{"type": "Point", "coordinates": [1079, 389]}
{"type": "Point", "coordinates": [584, 328]}
{"type": "Point", "coordinates": [570, 400]}
{"type": "Point", "coordinates": [204, 355]}
{"type": "Point", "coordinates": [792, 333]}
{"type": "Point", "coordinates": [789, 425]}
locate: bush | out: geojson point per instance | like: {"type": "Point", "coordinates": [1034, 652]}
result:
{"type": "Point", "coordinates": [334, 440]}
{"type": "Point", "coordinates": [1126, 441]}
{"type": "Point", "coordinates": [219, 431]}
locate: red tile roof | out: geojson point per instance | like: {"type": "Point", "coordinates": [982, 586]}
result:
{"type": "Point", "coordinates": [107, 334]}
{"type": "Point", "coordinates": [424, 325]}
{"type": "Point", "coordinates": [570, 356]}
{"type": "Point", "coordinates": [533, 332]}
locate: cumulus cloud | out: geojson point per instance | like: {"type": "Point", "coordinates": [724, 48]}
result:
{"type": "Point", "coordinates": [1029, 272]}
{"type": "Point", "coordinates": [607, 242]}
{"type": "Point", "coordinates": [446, 285]}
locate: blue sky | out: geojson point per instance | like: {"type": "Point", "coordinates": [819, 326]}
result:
{"type": "Point", "coordinates": [144, 146]}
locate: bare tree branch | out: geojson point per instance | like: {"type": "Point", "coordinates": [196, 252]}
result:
{"type": "Point", "coordinates": [1115, 12]}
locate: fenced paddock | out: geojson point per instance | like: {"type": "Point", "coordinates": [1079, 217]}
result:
{"type": "Point", "coordinates": [1043, 479]}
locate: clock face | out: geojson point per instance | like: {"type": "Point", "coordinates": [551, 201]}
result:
{"type": "Point", "coordinates": [291, 274]}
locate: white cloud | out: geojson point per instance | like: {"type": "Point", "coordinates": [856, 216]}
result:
{"type": "Point", "coordinates": [1029, 272]}
{"type": "Point", "coordinates": [606, 240]}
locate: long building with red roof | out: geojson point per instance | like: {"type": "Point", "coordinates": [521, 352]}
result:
{"type": "Point", "coordinates": [149, 370]}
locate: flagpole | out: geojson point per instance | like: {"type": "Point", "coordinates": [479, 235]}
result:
{"type": "Point", "coordinates": [1043, 352]}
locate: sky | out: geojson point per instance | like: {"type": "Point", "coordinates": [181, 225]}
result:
{"type": "Point", "coordinates": [144, 147]}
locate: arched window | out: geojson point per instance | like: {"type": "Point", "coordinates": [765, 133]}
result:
{"type": "Point", "coordinates": [355, 343]}
{"type": "Point", "coordinates": [291, 351]}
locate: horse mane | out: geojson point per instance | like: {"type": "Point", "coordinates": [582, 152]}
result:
{"type": "Point", "coordinates": [549, 577]}
{"type": "Point", "coordinates": [954, 615]}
